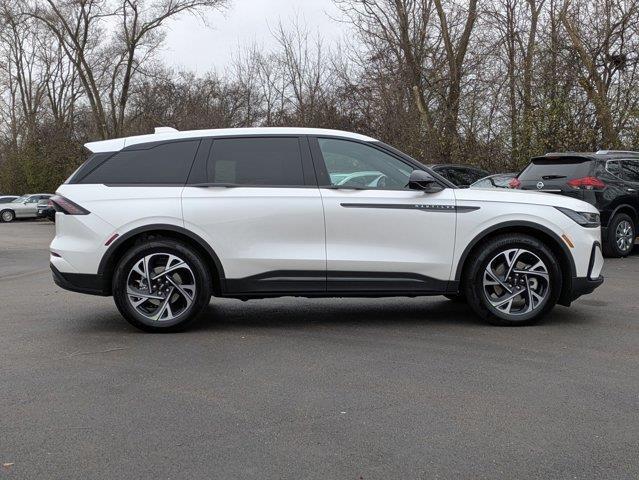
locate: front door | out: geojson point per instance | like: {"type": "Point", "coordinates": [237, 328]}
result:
{"type": "Point", "coordinates": [380, 235]}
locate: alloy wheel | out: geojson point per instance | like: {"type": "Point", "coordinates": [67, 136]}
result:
{"type": "Point", "coordinates": [625, 236]}
{"type": "Point", "coordinates": [516, 282]}
{"type": "Point", "coordinates": [7, 216]}
{"type": "Point", "coordinates": [160, 286]}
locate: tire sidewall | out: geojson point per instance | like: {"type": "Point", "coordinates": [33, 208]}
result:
{"type": "Point", "coordinates": [613, 248]}
{"type": "Point", "coordinates": [200, 273]}
{"type": "Point", "coordinates": [474, 281]}
{"type": "Point", "coordinates": [3, 212]}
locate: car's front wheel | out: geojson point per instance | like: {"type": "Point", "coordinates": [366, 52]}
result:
{"type": "Point", "coordinates": [161, 285]}
{"type": "Point", "coordinates": [512, 280]}
{"type": "Point", "coordinates": [7, 216]}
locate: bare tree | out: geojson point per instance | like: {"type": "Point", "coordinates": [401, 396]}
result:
{"type": "Point", "coordinates": [106, 74]}
{"type": "Point", "coordinates": [606, 50]}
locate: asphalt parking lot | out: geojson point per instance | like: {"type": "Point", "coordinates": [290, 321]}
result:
{"type": "Point", "coordinates": [312, 389]}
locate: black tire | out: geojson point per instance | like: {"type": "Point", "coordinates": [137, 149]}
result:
{"type": "Point", "coordinates": [7, 216]}
{"type": "Point", "coordinates": [610, 246]}
{"type": "Point", "coordinates": [473, 279]}
{"type": "Point", "coordinates": [201, 279]}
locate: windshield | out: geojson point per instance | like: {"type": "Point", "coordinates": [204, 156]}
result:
{"type": "Point", "coordinates": [19, 200]}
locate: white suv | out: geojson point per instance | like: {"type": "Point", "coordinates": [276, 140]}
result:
{"type": "Point", "coordinates": [164, 221]}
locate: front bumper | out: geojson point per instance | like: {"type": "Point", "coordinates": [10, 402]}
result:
{"type": "Point", "coordinates": [584, 285]}
{"type": "Point", "coordinates": [81, 282]}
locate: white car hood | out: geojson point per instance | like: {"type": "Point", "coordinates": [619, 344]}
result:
{"type": "Point", "coordinates": [524, 197]}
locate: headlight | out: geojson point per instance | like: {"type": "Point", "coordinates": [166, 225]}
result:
{"type": "Point", "coordinates": [585, 219]}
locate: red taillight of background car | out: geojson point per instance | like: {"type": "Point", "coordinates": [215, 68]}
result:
{"type": "Point", "coordinates": [66, 206]}
{"type": "Point", "coordinates": [514, 183]}
{"type": "Point", "coordinates": [587, 183]}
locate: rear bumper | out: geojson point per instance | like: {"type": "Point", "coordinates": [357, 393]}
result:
{"type": "Point", "coordinates": [81, 282]}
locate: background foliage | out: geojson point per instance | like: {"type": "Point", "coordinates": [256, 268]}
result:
{"type": "Point", "coordinates": [486, 82]}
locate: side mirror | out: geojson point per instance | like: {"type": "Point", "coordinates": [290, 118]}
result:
{"type": "Point", "coordinates": [421, 180]}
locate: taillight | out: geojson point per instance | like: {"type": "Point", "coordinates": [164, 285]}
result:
{"type": "Point", "coordinates": [66, 206]}
{"type": "Point", "coordinates": [514, 183]}
{"type": "Point", "coordinates": [587, 183]}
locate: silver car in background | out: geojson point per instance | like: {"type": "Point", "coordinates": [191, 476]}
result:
{"type": "Point", "coordinates": [7, 198]}
{"type": "Point", "coordinates": [25, 206]}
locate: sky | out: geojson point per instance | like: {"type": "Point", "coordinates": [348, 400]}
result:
{"type": "Point", "coordinates": [193, 45]}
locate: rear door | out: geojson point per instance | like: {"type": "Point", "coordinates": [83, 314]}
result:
{"type": "Point", "coordinates": [255, 200]}
{"type": "Point", "coordinates": [29, 208]}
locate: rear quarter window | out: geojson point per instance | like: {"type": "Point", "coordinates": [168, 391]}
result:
{"type": "Point", "coordinates": [166, 163]}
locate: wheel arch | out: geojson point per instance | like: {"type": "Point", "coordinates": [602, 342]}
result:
{"type": "Point", "coordinates": [627, 209]}
{"type": "Point", "coordinates": [544, 234]}
{"type": "Point", "coordinates": [125, 241]}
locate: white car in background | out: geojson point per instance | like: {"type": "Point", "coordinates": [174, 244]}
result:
{"type": "Point", "coordinates": [25, 206]}
{"type": "Point", "coordinates": [163, 222]}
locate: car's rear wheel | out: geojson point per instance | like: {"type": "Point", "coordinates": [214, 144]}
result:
{"type": "Point", "coordinates": [512, 280]}
{"type": "Point", "coordinates": [621, 236]}
{"type": "Point", "coordinates": [7, 216]}
{"type": "Point", "coordinates": [161, 286]}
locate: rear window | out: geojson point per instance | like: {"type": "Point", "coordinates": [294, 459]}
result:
{"type": "Point", "coordinates": [256, 161]}
{"type": "Point", "coordinates": [548, 169]}
{"type": "Point", "coordinates": [165, 163]}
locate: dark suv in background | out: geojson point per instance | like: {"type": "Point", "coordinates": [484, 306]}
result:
{"type": "Point", "coordinates": [607, 179]}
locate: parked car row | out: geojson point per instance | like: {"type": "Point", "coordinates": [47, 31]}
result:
{"type": "Point", "coordinates": [27, 206]}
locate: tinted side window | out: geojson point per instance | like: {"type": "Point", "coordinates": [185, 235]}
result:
{"type": "Point", "coordinates": [166, 163]}
{"type": "Point", "coordinates": [255, 161]}
{"type": "Point", "coordinates": [630, 170]}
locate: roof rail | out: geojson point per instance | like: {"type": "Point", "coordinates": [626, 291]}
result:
{"type": "Point", "coordinates": [620, 152]}
{"type": "Point", "coordinates": [164, 130]}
